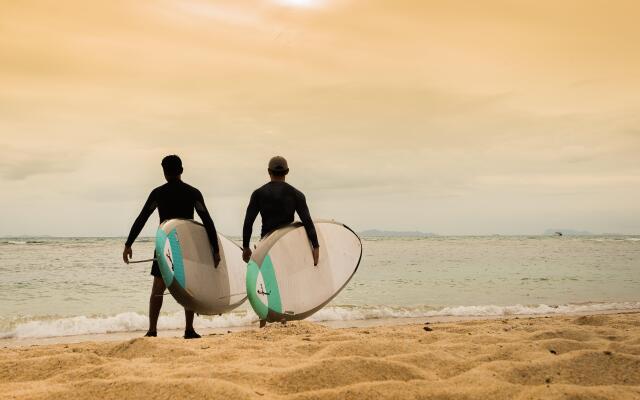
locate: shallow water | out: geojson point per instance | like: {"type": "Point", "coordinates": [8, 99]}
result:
{"type": "Point", "coordinates": [53, 286]}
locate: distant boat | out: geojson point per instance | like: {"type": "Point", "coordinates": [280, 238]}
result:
{"type": "Point", "coordinates": [558, 233]}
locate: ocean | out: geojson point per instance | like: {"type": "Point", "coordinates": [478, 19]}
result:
{"type": "Point", "coordinates": [54, 287]}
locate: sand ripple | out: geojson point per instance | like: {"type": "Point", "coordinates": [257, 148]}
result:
{"type": "Point", "coordinates": [592, 357]}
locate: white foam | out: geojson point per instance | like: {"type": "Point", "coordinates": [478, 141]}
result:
{"type": "Point", "coordinates": [124, 322]}
{"type": "Point", "coordinates": [362, 313]}
{"type": "Point", "coordinates": [130, 321]}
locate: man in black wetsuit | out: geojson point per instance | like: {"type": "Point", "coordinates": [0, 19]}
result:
{"type": "Point", "coordinates": [174, 199]}
{"type": "Point", "coordinates": [276, 202]}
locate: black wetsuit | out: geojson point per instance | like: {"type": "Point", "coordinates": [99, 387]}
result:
{"type": "Point", "coordinates": [174, 199]}
{"type": "Point", "coordinates": [276, 202]}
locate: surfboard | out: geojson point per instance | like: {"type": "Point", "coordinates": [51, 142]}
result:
{"type": "Point", "coordinates": [186, 263]}
{"type": "Point", "coordinates": [282, 282]}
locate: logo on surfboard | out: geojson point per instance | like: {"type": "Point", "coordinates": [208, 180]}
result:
{"type": "Point", "coordinates": [167, 254]}
{"type": "Point", "coordinates": [262, 291]}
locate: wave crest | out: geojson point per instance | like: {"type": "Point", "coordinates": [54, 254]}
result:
{"type": "Point", "coordinates": [131, 321]}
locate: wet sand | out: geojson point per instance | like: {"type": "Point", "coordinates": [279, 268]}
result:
{"type": "Point", "coordinates": [561, 357]}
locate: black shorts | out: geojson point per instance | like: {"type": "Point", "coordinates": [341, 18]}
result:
{"type": "Point", "coordinates": [155, 268]}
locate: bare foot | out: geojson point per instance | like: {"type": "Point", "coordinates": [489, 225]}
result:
{"type": "Point", "coordinates": [191, 334]}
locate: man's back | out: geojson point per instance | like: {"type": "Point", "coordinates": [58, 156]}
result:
{"type": "Point", "coordinates": [277, 202]}
{"type": "Point", "coordinates": [176, 200]}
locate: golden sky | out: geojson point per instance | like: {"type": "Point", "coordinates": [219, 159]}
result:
{"type": "Point", "coordinates": [453, 117]}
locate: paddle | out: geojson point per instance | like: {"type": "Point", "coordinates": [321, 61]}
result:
{"type": "Point", "coordinates": [141, 261]}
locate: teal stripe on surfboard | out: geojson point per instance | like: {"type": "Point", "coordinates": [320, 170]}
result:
{"type": "Point", "coordinates": [252, 280]}
{"type": "Point", "coordinates": [169, 273]}
{"type": "Point", "coordinates": [165, 270]}
{"type": "Point", "coordinates": [176, 253]}
{"type": "Point", "coordinates": [271, 287]}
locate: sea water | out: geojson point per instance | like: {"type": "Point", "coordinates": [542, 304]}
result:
{"type": "Point", "coordinates": [69, 286]}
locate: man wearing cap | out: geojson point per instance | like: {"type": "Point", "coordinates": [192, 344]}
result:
{"type": "Point", "coordinates": [174, 199]}
{"type": "Point", "coordinates": [277, 201]}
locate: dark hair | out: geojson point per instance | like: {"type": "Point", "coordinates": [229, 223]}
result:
{"type": "Point", "coordinates": [172, 165]}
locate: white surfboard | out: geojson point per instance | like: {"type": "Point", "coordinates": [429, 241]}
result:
{"type": "Point", "coordinates": [184, 255]}
{"type": "Point", "coordinates": [283, 283]}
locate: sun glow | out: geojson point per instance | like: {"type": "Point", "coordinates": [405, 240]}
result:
{"type": "Point", "coordinates": [300, 3]}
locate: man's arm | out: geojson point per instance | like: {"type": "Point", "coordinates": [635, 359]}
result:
{"type": "Point", "coordinates": [252, 212]}
{"type": "Point", "coordinates": [305, 217]}
{"type": "Point", "coordinates": [303, 212]}
{"type": "Point", "coordinates": [209, 226]}
{"type": "Point", "coordinates": [144, 215]}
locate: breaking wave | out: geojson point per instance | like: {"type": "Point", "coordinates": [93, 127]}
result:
{"type": "Point", "coordinates": [130, 321]}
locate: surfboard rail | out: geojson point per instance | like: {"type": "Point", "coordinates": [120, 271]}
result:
{"type": "Point", "coordinates": [191, 277]}
{"type": "Point", "coordinates": [262, 277]}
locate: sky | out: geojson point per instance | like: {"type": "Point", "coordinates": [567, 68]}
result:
{"type": "Point", "coordinates": [456, 117]}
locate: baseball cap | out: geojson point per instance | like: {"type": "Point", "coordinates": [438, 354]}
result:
{"type": "Point", "coordinates": [278, 164]}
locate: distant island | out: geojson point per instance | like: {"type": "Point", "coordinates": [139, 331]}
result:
{"type": "Point", "coordinates": [378, 233]}
{"type": "Point", "coordinates": [567, 232]}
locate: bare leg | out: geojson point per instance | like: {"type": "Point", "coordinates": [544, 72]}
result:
{"type": "Point", "coordinates": [189, 333]}
{"type": "Point", "coordinates": [155, 302]}
{"type": "Point", "coordinates": [188, 317]}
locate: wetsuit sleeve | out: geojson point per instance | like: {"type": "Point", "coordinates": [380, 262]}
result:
{"type": "Point", "coordinates": [146, 212]}
{"type": "Point", "coordinates": [252, 212]}
{"type": "Point", "coordinates": [202, 211]}
{"type": "Point", "coordinates": [305, 217]}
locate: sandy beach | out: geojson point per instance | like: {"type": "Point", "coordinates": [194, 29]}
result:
{"type": "Point", "coordinates": [586, 357]}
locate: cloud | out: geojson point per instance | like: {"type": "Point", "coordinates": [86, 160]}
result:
{"type": "Point", "coordinates": [19, 163]}
{"type": "Point", "coordinates": [300, 3]}
{"type": "Point", "coordinates": [216, 11]}
{"type": "Point", "coordinates": [434, 108]}
{"type": "Point", "coordinates": [559, 180]}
